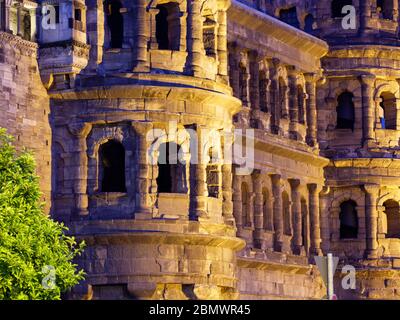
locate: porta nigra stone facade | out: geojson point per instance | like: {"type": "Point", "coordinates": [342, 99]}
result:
{"type": "Point", "coordinates": [106, 93]}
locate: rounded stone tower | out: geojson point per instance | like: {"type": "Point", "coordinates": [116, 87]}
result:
{"type": "Point", "coordinates": [141, 114]}
{"type": "Point", "coordinates": [358, 130]}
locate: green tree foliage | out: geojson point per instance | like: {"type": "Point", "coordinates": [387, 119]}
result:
{"type": "Point", "coordinates": [35, 253]}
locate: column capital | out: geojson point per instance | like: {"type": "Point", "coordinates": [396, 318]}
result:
{"type": "Point", "coordinates": [367, 79]}
{"type": "Point", "coordinates": [142, 128]}
{"type": "Point", "coordinates": [371, 189]}
{"type": "Point", "coordinates": [312, 77]}
{"type": "Point", "coordinates": [294, 184]}
{"type": "Point", "coordinates": [314, 188]}
{"type": "Point", "coordinates": [293, 72]}
{"type": "Point", "coordinates": [275, 178]}
{"type": "Point", "coordinates": [79, 129]}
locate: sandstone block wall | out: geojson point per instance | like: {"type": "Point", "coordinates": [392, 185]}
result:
{"type": "Point", "coordinates": [25, 104]}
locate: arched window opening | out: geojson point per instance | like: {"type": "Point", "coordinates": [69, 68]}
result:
{"type": "Point", "coordinates": [337, 6]}
{"type": "Point", "coordinates": [213, 174]}
{"type": "Point", "coordinates": [304, 225]}
{"type": "Point", "coordinates": [245, 205]}
{"type": "Point", "coordinates": [289, 16]}
{"type": "Point", "coordinates": [171, 171]}
{"type": "Point", "coordinates": [115, 23]}
{"type": "Point", "coordinates": [112, 160]}
{"type": "Point", "coordinates": [168, 29]}
{"type": "Point", "coordinates": [393, 218]}
{"type": "Point", "coordinates": [287, 228]}
{"type": "Point", "coordinates": [384, 9]}
{"type": "Point", "coordinates": [300, 100]}
{"type": "Point", "coordinates": [388, 111]}
{"type": "Point", "coordinates": [209, 39]}
{"type": "Point", "coordinates": [345, 111]}
{"type": "Point", "coordinates": [348, 220]}
{"type": "Point", "coordinates": [309, 23]}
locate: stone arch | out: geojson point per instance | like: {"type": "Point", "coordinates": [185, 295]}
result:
{"type": "Point", "coordinates": [349, 220]}
{"type": "Point", "coordinates": [159, 136]}
{"type": "Point", "coordinates": [100, 135]}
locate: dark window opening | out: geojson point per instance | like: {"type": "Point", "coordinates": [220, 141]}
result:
{"type": "Point", "coordinates": [348, 220]}
{"type": "Point", "coordinates": [57, 9]}
{"type": "Point", "coordinates": [345, 111]}
{"type": "Point", "coordinates": [337, 7]}
{"type": "Point", "coordinates": [115, 23]}
{"type": "Point", "coordinates": [287, 230]}
{"type": "Point", "coordinates": [267, 212]}
{"type": "Point", "coordinates": [309, 23]}
{"type": "Point", "coordinates": [26, 25]}
{"type": "Point", "coordinates": [263, 87]}
{"type": "Point", "coordinates": [112, 159]}
{"type": "Point", "coordinates": [300, 101]}
{"type": "Point", "coordinates": [212, 173]}
{"type": "Point", "coordinates": [209, 37]}
{"type": "Point", "coordinates": [388, 111]}
{"type": "Point", "coordinates": [245, 206]}
{"type": "Point", "coordinates": [393, 218]}
{"type": "Point", "coordinates": [384, 9]}
{"type": "Point", "coordinates": [282, 99]}
{"type": "Point", "coordinates": [289, 16]}
{"type": "Point", "coordinates": [304, 224]}
{"type": "Point", "coordinates": [168, 26]}
{"type": "Point", "coordinates": [78, 15]}
{"type": "Point", "coordinates": [171, 172]}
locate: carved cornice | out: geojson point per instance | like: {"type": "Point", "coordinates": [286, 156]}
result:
{"type": "Point", "coordinates": [25, 47]}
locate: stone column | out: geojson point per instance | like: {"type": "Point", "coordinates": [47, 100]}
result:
{"type": "Point", "coordinates": [365, 15]}
{"type": "Point", "coordinates": [194, 38]}
{"type": "Point", "coordinates": [198, 183]}
{"type": "Point", "coordinates": [371, 220]}
{"type": "Point", "coordinates": [278, 214]}
{"type": "Point", "coordinates": [142, 28]}
{"type": "Point", "coordinates": [244, 79]}
{"type": "Point", "coordinates": [311, 109]}
{"type": "Point", "coordinates": [264, 93]}
{"type": "Point", "coordinates": [80, 131]}
{"type": "Point", "coordinates": [145, 191]}
{"type": "Point", "coordinates": [368, 108]}
{"type": "Point", "coordinates": [315, 245]}
{"type": "Point", "coordinates": [227, 204]}
{"type": "Point", "coordinates": [234, 69]}
{"type": "Point", "coordinates": [237, 202]}
{"type": "Point", "coordinates": [7, 5]}
{"type": "Point", "coordinates": [297, 240]}
{"type": "Point", "coordinates": [274, 95]}
{"type": "Point", "coordinates": [153, 27]}
{"type": "Point", "coordinates": [19, 20]}
{"type": "Point", "coordinates": [293, 103]}
{"type": "Point", "coordinates": [258, 209]}
{"type": "Point", "coordinates": [324, 215]}
{"type": "Point", "coordinates": [95, 31]}
{"type": "Point", "coordinates": [222, 45]}
{"type": "Point", "coordinates": [254, 80]}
